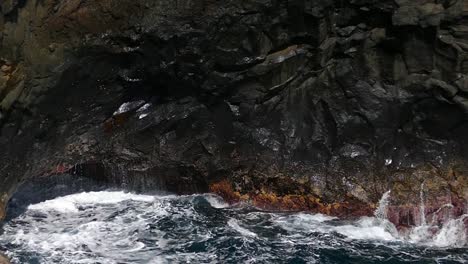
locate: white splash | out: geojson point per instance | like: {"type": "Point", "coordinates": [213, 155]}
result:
{"type": "Point", "coordinates": [422, 207]}
{"type": "Point", "coordinates": [234, 224]}
{"type": "Point", "coordinates": [216, 201]}
{"type": "Point", "coordinates": [381, 211]}
{"type": "Point", "coordinates": [453, 234]}
{"type": "Point", "coordinates": [84, 227]}
{"type": "Point", "coordinates": [71, 203]}
{"type": "Point", "coordinates": [422, 234]}
{"type": "Point", "coordinates": [369, 228]}
{"type": "Point", "coordinates": [120, 227]}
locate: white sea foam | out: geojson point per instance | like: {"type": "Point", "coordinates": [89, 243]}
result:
{"type": "Point", "coordinates": [420, 234]}
{"type": "Point", "coordinates": [86, 228]}
{"type": "Point", "coordinates": [234, 224]}
{"type": "Point", "coordinates": [369, 228]}
{"type": "Point", "coordinates": [303, 222]}
{"type": "Point", "coordinates": [120, 227]}
{"type": "Point", "coordinates": [70, 203]}
{"type": "Point", "coordinates": [452, 234]}
{"type": "Point", "coordinates": [216, 201]}
{"type": "Point", "coordinates": [367, 233]}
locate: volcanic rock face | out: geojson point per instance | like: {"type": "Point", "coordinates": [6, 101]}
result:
{"type": "Point", "coordinates": [334, 101]}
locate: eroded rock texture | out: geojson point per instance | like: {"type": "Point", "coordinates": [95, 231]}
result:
{"type": "Point", "coordinates": [335, 101]}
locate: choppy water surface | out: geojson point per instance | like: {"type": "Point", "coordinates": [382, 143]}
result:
{"type": "Point", "coordinates": [119, 227]}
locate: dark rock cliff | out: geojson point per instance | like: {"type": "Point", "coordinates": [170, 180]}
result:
{"type": "Point", "coordinates": [288, 103]}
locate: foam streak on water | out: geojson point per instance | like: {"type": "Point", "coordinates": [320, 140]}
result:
{"type": "Point", "coordinates": [119, 227]}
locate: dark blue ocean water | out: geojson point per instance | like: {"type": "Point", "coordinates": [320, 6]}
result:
{"type": "Point", "coordinates": [119, 227]}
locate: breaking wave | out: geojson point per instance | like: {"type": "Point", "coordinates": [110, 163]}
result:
{"type": "Point", "coordinates": [120, 227]}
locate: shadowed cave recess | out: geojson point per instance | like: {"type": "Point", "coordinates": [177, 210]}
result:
{"type": "Point", "coordinates": [299, 105]}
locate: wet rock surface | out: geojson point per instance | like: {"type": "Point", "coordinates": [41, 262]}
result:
{"type": "Point", "coordinates": [327, 102]}
{"type": "Point", "coordinates": [4, 259]}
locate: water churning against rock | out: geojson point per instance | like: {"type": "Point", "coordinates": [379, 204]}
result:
{"type": "Point", "coordinates": [121, 227]}
{"type": "Point", "coordinates": [381, 211]}
{"type": "Point", "coordinates": [451, 234]}
{"type": "Point", "coordinates": [422, 206]}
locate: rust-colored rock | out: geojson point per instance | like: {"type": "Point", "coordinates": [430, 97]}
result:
{"type": "Point", "coordinates": [292, 202]}
{"type": "Point", "coordinates": [4, 259]}
{"type": "Point", "coordinates": [225, 190]}
{"type": "Point", "coordinates": [322, 106]}
{"type": "Point", "coordinates": [3, 204]}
